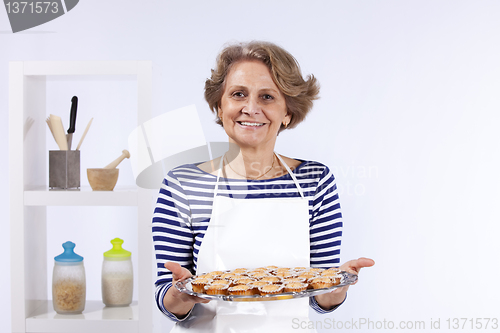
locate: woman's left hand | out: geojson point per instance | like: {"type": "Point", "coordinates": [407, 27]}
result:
{"type": "Point", "coordinates": [329, 300]}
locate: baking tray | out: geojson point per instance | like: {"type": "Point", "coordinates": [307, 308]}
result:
{"type": "Point", "coordinates": [184, 286]}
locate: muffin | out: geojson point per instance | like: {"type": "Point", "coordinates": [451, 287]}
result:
{"type": "Point", "coordinates": [228, 276]}
{"type": "Point", "coordinates": [221, 282]}
{"type": "Point", "coordinates": [336, 279]}
{"type": "Point", "coordinates": [243, 280]}
{"type": "Point", "coordinates": [295, 287]}
{"type": "Point", "coordinates": [259, 275]}
{"type": "Point", "coordinates": [241, 271]}
{"type": "Point", "coordinates": [316, 270]}
{"type": "Point", "coordinates": [307, 275]}
{"type": "Point", "coordinates": [217, 289]}
{"type": "Point", "coordinates": [261, 269]}
{"type": "Point", "coordinates": [271, 279]}
{"type": "Point", "coordinates": [271, 267]}
{"type": "Point", "coordinates": [295, 279]}
{"type": "Point", "coordinates": [214, 274]}
{"type": "Point", "coordinates": [271, 289]}
{"type": "Point", "coordinates": [286, 274]}
{"type": "Point", "coordinates": [256, 285]}
{"type": "Point", "coordinates": [259, 283]}
{"type": "Point", "coordinates": [199, 284]}
{"type": "Point", "coordinates": [300, 269]}
{"type": "Point", "coordinates": [240, 289]}
{"type": "Point", "coordinates": [250, 272]}
{"type": "Point", "coordinates": [320, 282]}
{"type": "Point", "coordinates": [330, 272]}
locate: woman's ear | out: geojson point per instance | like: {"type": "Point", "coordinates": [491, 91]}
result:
{"type": "Point", "coordinates": [287, 119]}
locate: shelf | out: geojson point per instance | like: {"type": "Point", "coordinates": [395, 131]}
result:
{"type": "Point", "coordinates": [83, 197]}
{"type": "Point", "coordinates": [95, 318]}
{"type": "Point", "coordinates": [30, 197]}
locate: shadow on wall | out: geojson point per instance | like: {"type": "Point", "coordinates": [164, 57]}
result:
{"type": "Point", "coordinates": [167, 141]}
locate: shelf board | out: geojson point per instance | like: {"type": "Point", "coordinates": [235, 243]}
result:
{"type": "Point", "coordinates": [95, 318]}
{"type": "Point", "coordinates": [83, 197]}
{"type": "Point", "coordinates": [81, 67]}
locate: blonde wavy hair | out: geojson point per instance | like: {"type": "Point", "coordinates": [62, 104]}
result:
{"type": "Point", "coordinates": [299, 92]}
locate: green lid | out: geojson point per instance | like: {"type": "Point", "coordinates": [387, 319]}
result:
{"type": "Point", "coordinates": [117, 252]}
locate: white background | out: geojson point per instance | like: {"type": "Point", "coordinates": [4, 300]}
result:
{"type": "Point", "coordinates": [408, 120]}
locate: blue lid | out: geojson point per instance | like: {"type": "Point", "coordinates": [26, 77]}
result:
{"type": "Point", "coordinates": [68, 255]}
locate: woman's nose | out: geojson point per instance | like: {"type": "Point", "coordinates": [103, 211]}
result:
{"type": "Point", "coordinates": [252, 107]}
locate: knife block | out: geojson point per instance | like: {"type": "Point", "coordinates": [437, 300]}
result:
{"type": "Point", "coordinates": [64, 169]}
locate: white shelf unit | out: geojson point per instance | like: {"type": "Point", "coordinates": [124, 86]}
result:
{"type": "Point", "coordinates": [29, 197]}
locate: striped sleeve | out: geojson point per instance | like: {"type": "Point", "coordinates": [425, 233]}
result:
{"type": "Point", "coordinates": [325, 230]}
{"type": "Point", "coordinates": [172, 236]}
{"type": "Point", "coordinates": [326, 223]}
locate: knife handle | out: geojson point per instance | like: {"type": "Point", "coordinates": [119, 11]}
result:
{"type": "Point", "coordinates": [72, 116]}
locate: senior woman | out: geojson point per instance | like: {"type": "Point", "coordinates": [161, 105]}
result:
{"type": "Point", "coordinates": [251, 207]}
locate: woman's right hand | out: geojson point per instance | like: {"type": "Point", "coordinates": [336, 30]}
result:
{"type": "Point", "coordinates": [174, 301]}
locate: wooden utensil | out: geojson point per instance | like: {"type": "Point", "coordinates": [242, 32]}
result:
{"type": "Point", "coordinates": [84, 133]}
{"type": "Point", "coordinates": [114, 164]}
{"type": "Point", "coordinates": [58, 131]}
{"type": "Point", "coordinates": [50, 127]}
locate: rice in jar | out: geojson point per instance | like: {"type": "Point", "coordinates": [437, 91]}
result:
{"type": "Point", "coordinates": [117, 276]}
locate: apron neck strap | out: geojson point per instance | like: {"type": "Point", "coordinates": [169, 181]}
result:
{"type": "Point", "coordinates": [291, 175]}
{"type": "Point", "coordinates": [218, 175]}
{"type": "Point", "coordinates": [279, 158]}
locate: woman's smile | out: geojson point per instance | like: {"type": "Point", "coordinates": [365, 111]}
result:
{"type": "Point", "coordinates": [250, 124]}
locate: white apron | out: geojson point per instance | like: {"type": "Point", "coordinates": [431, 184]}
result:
{"type": "Point", "coordinates": [251, 233]}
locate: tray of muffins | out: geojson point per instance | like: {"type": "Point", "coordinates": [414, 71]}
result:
{"type": "Point", "coordinates": [268, 283]}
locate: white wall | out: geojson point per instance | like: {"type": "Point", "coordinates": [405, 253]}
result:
{"type": "Point", "coordinates": [407, 119]}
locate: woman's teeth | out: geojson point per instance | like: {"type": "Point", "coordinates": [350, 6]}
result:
{"type": "Point", "coordinates": [244, 123]}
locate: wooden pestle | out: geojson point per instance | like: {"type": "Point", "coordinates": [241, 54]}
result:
{"type": "Point", "coordinates": [114, 164]}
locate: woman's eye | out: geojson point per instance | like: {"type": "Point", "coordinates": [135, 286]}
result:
{"type": "Point", "coordinates": [238, 94]}
{"type": "Point", "coordinates": [267, 97]}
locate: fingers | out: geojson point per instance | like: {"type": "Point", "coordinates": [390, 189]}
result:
{"type": "Point", "coordinates": [178, 272]}
{"type": "Point", "coordinates": [175, 268]}
{"type": "Point", "coordinates": [364, 262]}
{"type": "Point", "coordinates": [354, 266]}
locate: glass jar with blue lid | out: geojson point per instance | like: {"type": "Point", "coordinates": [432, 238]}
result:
{"type": "Point", "coordinates": [68, 281]}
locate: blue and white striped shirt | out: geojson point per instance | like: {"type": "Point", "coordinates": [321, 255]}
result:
{"type": "Point", "coordinates": [184, 208]}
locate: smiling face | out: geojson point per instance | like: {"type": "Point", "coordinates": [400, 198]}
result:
{"type": "Point", "coordinates": [252, 108]}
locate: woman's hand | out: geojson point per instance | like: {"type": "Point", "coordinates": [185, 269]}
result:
{"type": "Point", "coordinates": [329, 300]}
{"type": "Point", "coordinates": [174, 301]}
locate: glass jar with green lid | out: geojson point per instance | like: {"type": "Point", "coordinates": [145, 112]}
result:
{"type": "Point", "coordinates": [117, 276]}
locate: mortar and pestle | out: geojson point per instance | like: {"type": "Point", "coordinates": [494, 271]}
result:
{"type": "Point", "coordinates": [104, 179]}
